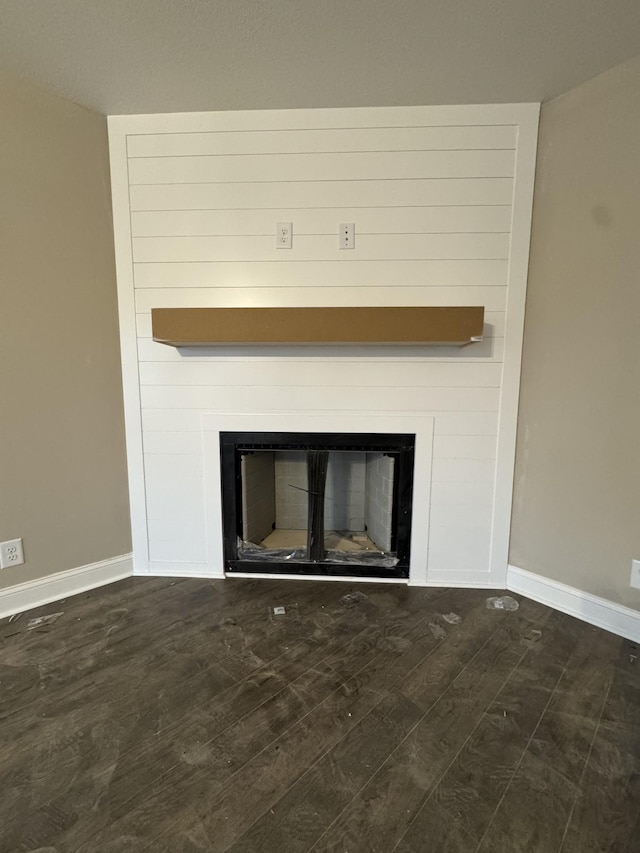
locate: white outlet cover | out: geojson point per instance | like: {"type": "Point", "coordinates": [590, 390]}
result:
{"type": "Point", "coordinates": [284, 235]}
{"type": "Point", "coordinates": [11, 553]}
{"type": "Point", "coordinates": [635, 574]}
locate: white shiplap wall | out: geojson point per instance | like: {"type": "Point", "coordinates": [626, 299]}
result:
{"type": "Point", "coordinates": [441, 200]}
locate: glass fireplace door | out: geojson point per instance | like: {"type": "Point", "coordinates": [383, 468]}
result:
{"type": "Point", "coordinates": [307, 503]}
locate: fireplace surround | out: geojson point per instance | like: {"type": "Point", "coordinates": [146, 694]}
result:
{"type": "Point", "coordinates": [407, 440]}
{"type": "Point", "coordinates": [442, 201]}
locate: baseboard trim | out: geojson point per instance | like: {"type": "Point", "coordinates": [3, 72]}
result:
{"type": "Point", "coordinates": [458, 578]}
{"type": "Point", "coordinates": [35, 593]}
{"type": "Point", "coordinates": [287, 577]}
{"type": "Point", "coordinates": [600, 612]}
{"type": "Point", "coordinates": [158, 569]}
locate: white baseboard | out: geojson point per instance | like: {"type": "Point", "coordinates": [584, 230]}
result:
{"type": "Point", "coordinates": [613, 617]}
{"type": "Point", "coordinates": [26, 596]}
{"type": "Point", "coordinates": [459, 578]}
{"type": "Point", "coordinates": [159, 569]}
{"type": "Point", "coordinates": [288, 577]}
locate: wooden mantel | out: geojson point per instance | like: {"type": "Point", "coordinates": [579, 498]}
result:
{"type": "Point", "coordinates": [186, 327]}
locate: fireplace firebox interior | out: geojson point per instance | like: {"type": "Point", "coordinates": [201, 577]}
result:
{"type": "Point", "coordinates": [317, 503]}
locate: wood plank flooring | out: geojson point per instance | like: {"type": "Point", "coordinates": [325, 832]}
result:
{"type": "Point", "coordinates": [183, 715]}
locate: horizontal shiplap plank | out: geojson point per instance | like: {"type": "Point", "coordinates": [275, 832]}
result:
{"type": "Point", "coordinates": [445, 423]}
{"type": "Point", "coordinates": [177, 442]}
{"type": "Point", "coordinates": [494, 324]}
{"type": "Point", "coordinates": [370, 220]}
{"type": "Point", "coordinates": [322, 274]}
{"type": "Point", "coordinates": [488, 350]}
{"type": "Point", "coordinates": [189, 443]}
{"type": "Point", "coordinates": [171, 420]}
{"type": "Point", "coordinates": [327, 117]}
{"type": "Point", "coordinates": [319, 194]}
{"type": "Point", "coordinates": [355, 166]}
{"type": "Point", "coordinates": [173, 466]}
{"type": "Point", "coordinates": [187, 549]}
{"type": "Point", "coordinates": [461, 471]}
{"type": "Point", "coordinates": [183, 496]}
{"type": "Point", "coordinates": [263, 398]}
{"type": "Point", "coordinates": [464, 447]}
{"type": "Point", "coordinates": [321, 248]}
{"type": "Point", "coordinates": [476, 516]}
{"type": "Point", "coordinates": [171, 527]}
{"type": "Point", "coordinates": [320, 374]}
{"type": "Point", "coordinates": [143, 325]}
{"type": "Point", "coordinates": [459, 548]}
{"type": "Point", "coordinates": [467, 423]}
{"type": "Point", "coordinates": [321, 140]}
{"type": "Point", "coordinates": [492, 298]}
{"type": "Point", "coordinates": [459, 494]}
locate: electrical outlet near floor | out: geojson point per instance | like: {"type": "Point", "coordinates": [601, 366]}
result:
{"type": "Point", "coordinates": [11, 553]}
{"type": "Point", "coordinates": [635, 574]}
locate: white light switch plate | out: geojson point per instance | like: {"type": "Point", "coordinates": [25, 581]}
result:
{"type": "Point", "coordinates": [346, 235]}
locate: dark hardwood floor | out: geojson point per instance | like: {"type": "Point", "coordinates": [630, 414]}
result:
{"type": "Point", "coordinates": [183, 716]}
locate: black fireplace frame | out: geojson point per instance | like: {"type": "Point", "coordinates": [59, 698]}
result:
{"type": "Point", "coordinates": [399, 445]}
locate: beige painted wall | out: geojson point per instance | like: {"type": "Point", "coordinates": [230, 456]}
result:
{"type": "Point", "coordinates": [576, 515]}
{"type": "Point", "coordinates": [62, 459]}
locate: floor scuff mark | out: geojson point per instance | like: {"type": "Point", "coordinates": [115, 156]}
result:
{"type": "Point", "coordinates": [353, 598]}
{"type": "Point", "coordinates": [39, 621]}
{"type": "Point", "coordinates": [437, 630]}
{"type": "Point", "coordinates": [502, 602]}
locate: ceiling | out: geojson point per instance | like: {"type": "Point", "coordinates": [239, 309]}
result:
{"type": "Point", "coordinates": [145, 56]}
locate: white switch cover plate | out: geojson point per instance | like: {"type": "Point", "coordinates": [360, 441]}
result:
{"type": "Point", "coordinates": [635, 574]}
{"type": "Point", "coordinates": [11, 553]}
{"type": "Point", "coordinates": [284, 232]}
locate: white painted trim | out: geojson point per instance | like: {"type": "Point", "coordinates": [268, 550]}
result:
{"type": "Point", "coordinates": [343, 578]}
{"type": "Point", "coordinates": [343, 422]}
{"type": "Point", "coordinates": [128, 343]}
{"type": "Point", "coordinates": [613, 617]}
{"type": "Point", "coordinates": [522, 210]}
{"type": "Point", "coordinates": [35, 593]}
{"type": "Point", "coordinates": [320, 118]}
{"type": "Point", "coordinates": [162, 569]}
{"type": "Point", "coordinates": [463, 578]}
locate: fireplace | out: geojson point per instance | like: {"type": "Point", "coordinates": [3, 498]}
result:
{"type": "Point", "coordinates": [321, 503]}
{"type": "Point", "coordinates": [277, 448]}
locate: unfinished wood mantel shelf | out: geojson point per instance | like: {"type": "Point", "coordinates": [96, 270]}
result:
{"type": "Point", "coordinates": [199, 327]}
